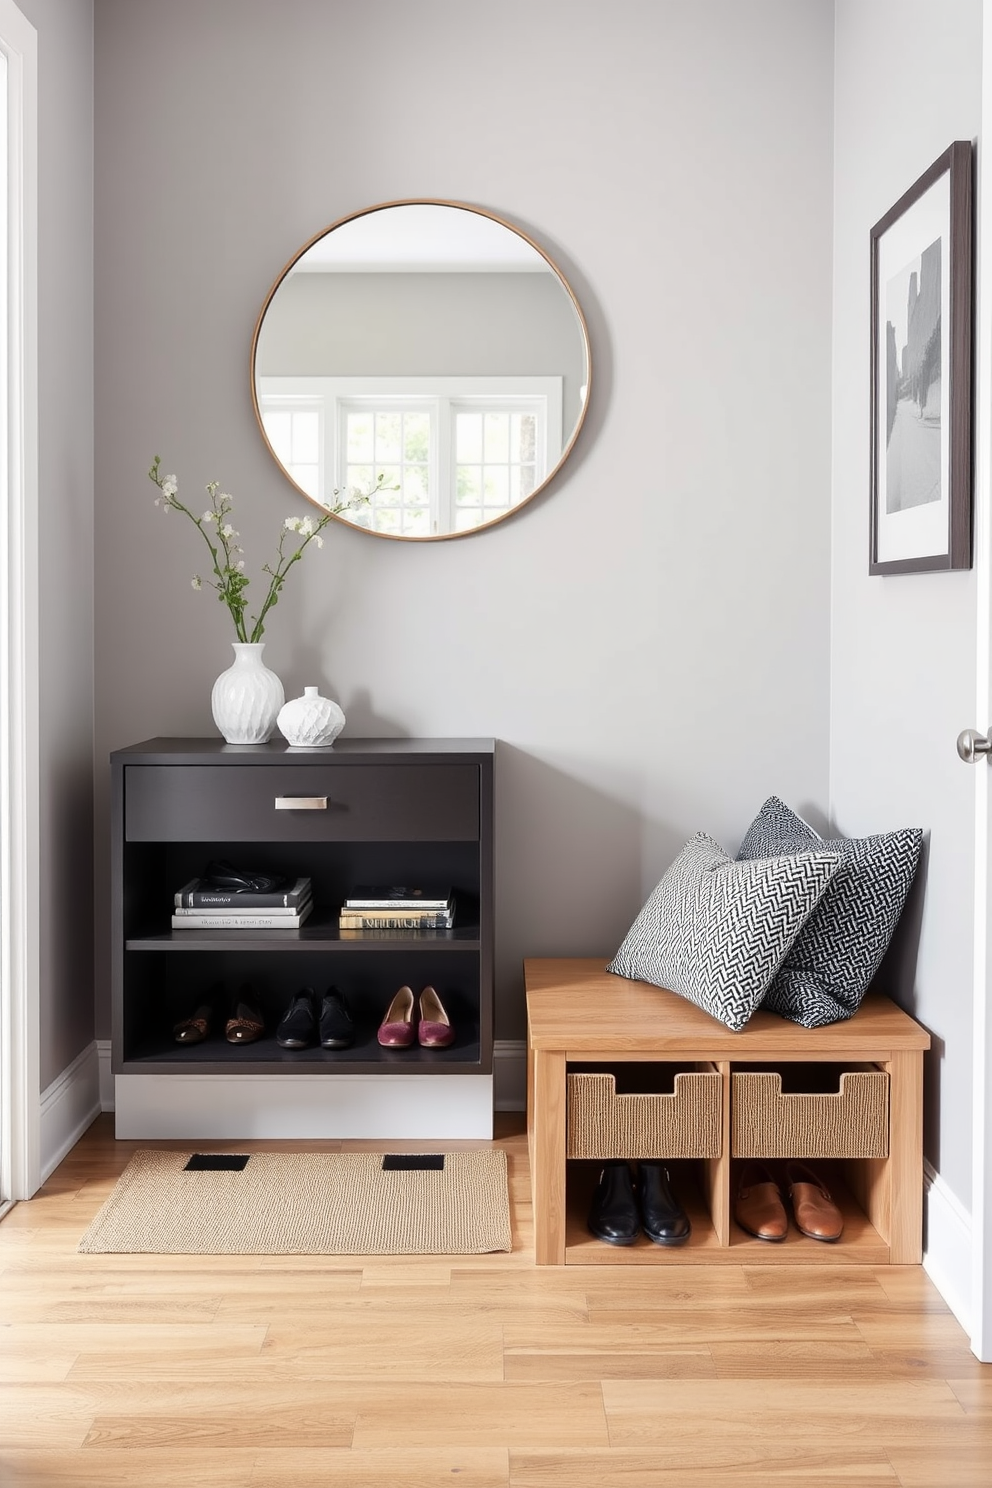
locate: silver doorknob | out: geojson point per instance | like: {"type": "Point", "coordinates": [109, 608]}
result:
{"type": "Point", "coordinates": [972, 745]}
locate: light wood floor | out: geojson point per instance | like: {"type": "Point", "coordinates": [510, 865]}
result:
{"type": "Point", "coordinates": [276, 1372]}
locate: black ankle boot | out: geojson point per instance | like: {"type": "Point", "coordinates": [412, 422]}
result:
{"type": "Point", "coordinates": [613, 1215]}
{"type": "Point", "coordinates": [664, 1220]}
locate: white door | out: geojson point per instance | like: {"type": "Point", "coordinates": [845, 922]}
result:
{"type": "Point", "coordinates": [981, 1217]}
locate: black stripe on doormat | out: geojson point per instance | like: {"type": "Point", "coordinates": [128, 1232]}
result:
{"type": "Point", "coordinates": [217, 1162]}
{"type": "Point", "coordinates": [413, 1162]}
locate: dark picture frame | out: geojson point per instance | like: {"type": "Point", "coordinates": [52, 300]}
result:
{"type": "Point", "coordinates": [922, 274]}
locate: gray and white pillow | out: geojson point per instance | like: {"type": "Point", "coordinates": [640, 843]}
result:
{"type": "Point", "coordinates": [716, 931]}
{"type": "Point", "coordinates": [832, 961]}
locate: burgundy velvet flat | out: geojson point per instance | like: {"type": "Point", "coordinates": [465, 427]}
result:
{"type": "Point", "coordinates": [396, 1031]}
{"type": "Point", "coordinates": [434, 1031]}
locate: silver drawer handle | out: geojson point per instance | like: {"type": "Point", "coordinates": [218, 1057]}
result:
{"type": "Point", "coordinates": [301, 803]}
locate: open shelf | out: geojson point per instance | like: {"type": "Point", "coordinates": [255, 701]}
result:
{"type": "Point", "coordinates": [318, 932]}
{"type": "Point", "coordinates": [583, 1249]}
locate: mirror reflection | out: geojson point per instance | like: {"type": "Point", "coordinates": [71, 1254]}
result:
{"type": "Point", "coordinates": [433, 344]}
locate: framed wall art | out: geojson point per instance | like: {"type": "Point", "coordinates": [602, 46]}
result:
{"type": "Point", "coordinates": [921, 373]}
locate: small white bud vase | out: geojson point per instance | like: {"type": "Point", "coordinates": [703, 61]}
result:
{"type": "Point", "coordinates": [310, 721]}
{"type": "Point", "coordinates": [247, 697]}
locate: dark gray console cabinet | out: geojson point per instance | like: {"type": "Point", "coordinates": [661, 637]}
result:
{"type": "Point", "coordinates": [398, 811]}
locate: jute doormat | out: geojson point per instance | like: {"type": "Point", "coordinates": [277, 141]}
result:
{"type": "Point", "coordinates": [306, 1203]}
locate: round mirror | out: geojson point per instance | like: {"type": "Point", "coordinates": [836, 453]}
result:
{"type": "Point", "coordinates": [426, 352]}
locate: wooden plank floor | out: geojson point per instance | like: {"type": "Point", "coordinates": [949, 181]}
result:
{"type": "Point", "coordinates": [290, 1372]}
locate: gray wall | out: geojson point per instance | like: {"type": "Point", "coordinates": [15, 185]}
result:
{"type": "Point", "coordinates": [649, 638]}
{"type": "Point", "coordinates": [903, 648]}
{"type": "Point", "coordinates": [409, 325]}
{"type": "Point", "coordinates": [65, 388]}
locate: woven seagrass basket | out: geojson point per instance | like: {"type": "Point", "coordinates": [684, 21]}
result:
{"type": "Point", "coordinates": [853, 1122]}
{"type": "Point", "coordinates": [603, 1124]}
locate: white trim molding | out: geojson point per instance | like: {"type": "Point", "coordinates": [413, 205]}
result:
{"type": "Point", "coordinates": [69, 1105]}
{"type": "Point", "coordinates": [947, 1245]}
{"type": "Point", "coordinates": [20, 1172]}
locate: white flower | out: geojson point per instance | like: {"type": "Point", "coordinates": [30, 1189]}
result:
{"type": "Point", "coordinates": [319, 541]}
{"type": "Point", "coordinates": [240, 565]}
{"type": "Point", "coordinates": [208, 516]}
{"type": "Point", "coordinates": [170, 486]}
{"type": "Point", "coordinates": [292, 524]}
{"type": "Point", "coordinates": [225, 501]}
{"type": "Point", "coordinates": [227, 530]}
{"type": "Point", "coordinates": [197, 582]}
{"type": "Point", "coordinates": [305, 528]}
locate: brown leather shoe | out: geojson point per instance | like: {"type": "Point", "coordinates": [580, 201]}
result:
{"type": "Point", "coordinates": [758, 1207]}
{"type": "Point", "coordinates": [813, 1209]}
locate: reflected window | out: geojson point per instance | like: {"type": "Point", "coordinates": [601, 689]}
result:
{"type": "Point", "coordinates": [455, 453]}
{"type": "Point", "coordinates": [496, 460]}
{"type": "Point", "coordinates": [294, 432]}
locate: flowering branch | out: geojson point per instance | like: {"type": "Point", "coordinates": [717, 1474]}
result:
{"type": "Point", "coordinates": [227, 563]}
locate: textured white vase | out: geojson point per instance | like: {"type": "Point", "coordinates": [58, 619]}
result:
{"type": "Point", "coordinates": [310, 721]}
{"type": "Point", "coordinates": [247, 697]}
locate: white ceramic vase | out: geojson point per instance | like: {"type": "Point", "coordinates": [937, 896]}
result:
{"type": "Point", "coordinates": [310, 721]}
{"type": "Point", "coordinates": [247, 697]}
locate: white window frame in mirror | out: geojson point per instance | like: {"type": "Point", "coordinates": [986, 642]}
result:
{"type": "Point", "coordinates": [442, 397]}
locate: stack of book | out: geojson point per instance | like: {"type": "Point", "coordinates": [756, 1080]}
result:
{"type": "Point", "coordinates": [199, 905]}
{"type": "Point", "coordinates": [382, 907]}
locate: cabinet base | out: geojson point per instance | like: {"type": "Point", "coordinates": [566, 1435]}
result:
{"type": "Point", "coordinates": [202, 1107]}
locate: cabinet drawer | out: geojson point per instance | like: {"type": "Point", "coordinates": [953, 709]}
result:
{"type": "Point", "coordinates": [854, 1122]}
{"type": "Point", "coordinates": [601, 1123]}
{"type": "Point", "coordinates": [363, 803]}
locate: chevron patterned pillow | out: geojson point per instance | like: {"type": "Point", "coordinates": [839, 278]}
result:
{"type": "Point", "coordinates": [828, 969]}
{"type": "Point", "coordinates": [716, 931]}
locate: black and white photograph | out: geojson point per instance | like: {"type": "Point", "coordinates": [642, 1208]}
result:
{"type": "Point", "coordinates": [921, 374]}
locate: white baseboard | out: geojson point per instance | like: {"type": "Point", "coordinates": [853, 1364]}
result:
{"type": "Point", "coordinates": [510, 1075]}
{"type": "Point", "coordinates": [234, 1107]}
{"type": "Point", "coordinates": [106, 1075]}
{"type": "Point", "coordinates": [69, 1105]}
{"type": "Point", "coordinates": [947, 1246]}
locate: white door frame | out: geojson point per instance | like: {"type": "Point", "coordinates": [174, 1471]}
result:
{"type": "Point", "coordinates": [19, 617]}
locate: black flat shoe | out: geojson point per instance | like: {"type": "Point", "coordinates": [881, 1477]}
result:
{"type": "Point", "coordinates": [662, 1216]}
{"type": "Point", "coordinates": [337, 1031]}
{"type": "Point", "coordinates": [298, 1029]}
{"type": "Point", "coordinates": [613, 1214]}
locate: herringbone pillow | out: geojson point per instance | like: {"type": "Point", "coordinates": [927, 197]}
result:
{"type": "Point", "coordinates": [827, 971]}
{"type": "Point", "coordinates": [716, 931]}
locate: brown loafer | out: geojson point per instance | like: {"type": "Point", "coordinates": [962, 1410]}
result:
{"type": "Point", "coordinates": [194, 1029]}
{"type": "Point", "coordinates": [245, 1023]}
{"type": "Point", "coordinates": [813, 1209]}
{"type": "Point", "coordinates": [758, 1207]}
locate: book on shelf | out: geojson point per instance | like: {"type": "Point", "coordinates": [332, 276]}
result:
{"type": "Point", "coordinates": [383, 896]}
{"type": "Point", "coordinates": [377, 933]}
{"type": "Point", "coordinates": [198, 894]}
{"type": "Point", "coordinates": [392, 920]}
{"type": "Point", "coordinates": [235, 916]}
{"type": "Point", "coordinates": [257, 920]}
